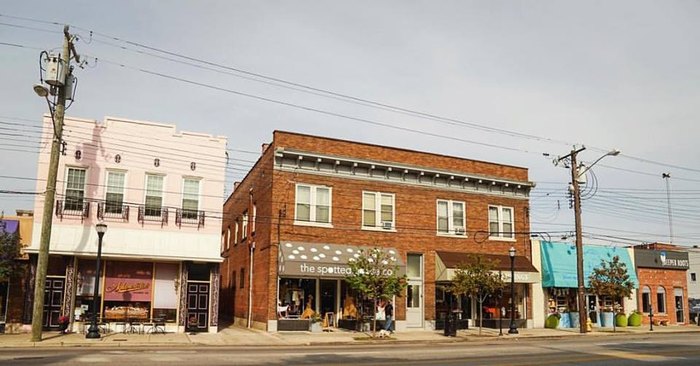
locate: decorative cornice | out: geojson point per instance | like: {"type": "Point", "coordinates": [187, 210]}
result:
{"type": "Point", "coordinates": [352, 168]}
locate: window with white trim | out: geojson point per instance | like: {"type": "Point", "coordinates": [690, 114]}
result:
{"type": "Point", "coordinates": [378, 210]}
{"type": "Point", "coordinates": [313, 204]}
{"type": "Point", "coordinates": [255, 214]}
{"type": "Point", "coordinates": [75, 189]}
{"type": "Point", "coordinates": [190, 198]}
{"type": "Point", "coordinates": [114, 197]}
{"type": "Point", "coordinates": [235, 233]}
{"type": "Point", "coordinates": [244, 226]}
{"type": "Point", "coordinates": [501, 222]}
{"type": "Point", "coordinates": [646, 299]}
{"type": "Point", "coordinates": [154, 195]}
{"type": "Point", "coordinates": [661, 300]}
{"type": "Point", "coordinates": [228, 237]}
{"type": "Point", "coordinates": [451, 217]}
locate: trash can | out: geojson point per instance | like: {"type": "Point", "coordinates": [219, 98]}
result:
{"type": "Point", "coordinates": [450, 325]}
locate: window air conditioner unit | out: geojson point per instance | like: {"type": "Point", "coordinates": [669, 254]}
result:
{"type": "Point", "coordinates": [459, 231]}
{"type": "Point", "coordinates": [387, 225]}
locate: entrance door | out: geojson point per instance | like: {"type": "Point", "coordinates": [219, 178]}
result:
{"type": "Point", "coordinates": [53, 301]}
{"type": "Point", "coordinates": [414, 291]}
{"type": "Point", "coordinates": [328, 296]}
{"type": "Point", "coordinates": [592, 306]}
{"type": "Point", "coordinates": [197, 306]}
{"type": "Point", "coordinates": [678, 294]}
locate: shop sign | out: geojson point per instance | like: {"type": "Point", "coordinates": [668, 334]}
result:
{"type": "Point", "coordinates": [661, 259]}
{"type": "Point", "coordinates": [128, 281]}
{"type": "Point", "coordinates": [521, 277]}
{"type": "Point", "coordinates": [322, 269]}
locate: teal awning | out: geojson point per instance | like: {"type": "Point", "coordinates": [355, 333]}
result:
{"type": "Point", "coordinates": [559, 263]}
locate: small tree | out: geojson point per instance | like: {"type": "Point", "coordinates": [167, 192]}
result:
{"type": "Point", "coordinates": [478, 280]}
{"type": "Point", "coordinates": [611, 279]}
{"type": "Point", "coordinates": [9, 253]}
{"type": "Point", "coordinates": [375, 275]}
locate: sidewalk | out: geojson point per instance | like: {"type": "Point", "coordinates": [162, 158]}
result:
{"type": "Point", "coordinates": [242, 337]}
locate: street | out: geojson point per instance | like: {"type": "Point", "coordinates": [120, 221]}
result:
{"type": "Point", "coordinates": [657, 349]}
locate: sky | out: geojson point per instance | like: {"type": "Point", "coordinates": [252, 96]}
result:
{"type": "Point", "coordinates": [512, 82]}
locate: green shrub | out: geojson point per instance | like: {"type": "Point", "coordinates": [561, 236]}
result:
{"type": "Point", "coordinates": [635, 319]}
{"type": "Point", "coordinates": [552, 321]}
{"type": "Point", "coordinates": [621, 320]}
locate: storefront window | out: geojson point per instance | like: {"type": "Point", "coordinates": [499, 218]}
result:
{"type": "Point", "coordinates": [127, 290]}
{"type": "Point", "coordinates": [165, 299]}
{"type": "Point", "coordinates": [660, 300]}
{"type": "Point", "coordinates": [562, 300]}
{"type": "Point", "coordinates": [646, 299]}
{"type": "Point", "coordinates": [520, 293]}
{"type": "Point", "coordinates": [4, 287]}
{"type": "Point", "coordinates": [296, 297]}
{"type": "Point", "coordinates": [85, 289]}
{"type": "Point", "coordinates": [446, 302]}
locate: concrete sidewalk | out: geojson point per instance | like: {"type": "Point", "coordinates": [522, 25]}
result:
{"type": "Point", "coordinates": [235, 336]}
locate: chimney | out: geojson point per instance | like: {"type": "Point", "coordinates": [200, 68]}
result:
{"type": "Point", "coordinates": [264, 147]}
{"type": "Point", "coordinates": [235, 185]}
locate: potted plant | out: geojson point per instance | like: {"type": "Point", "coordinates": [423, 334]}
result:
{"type": "Point", "coordinates": [63, 322]}
{"type": "Point", "coordinates": [552, 321]}
{"type": "Point", "coordinates": [621, 319]}
{"type": "Point", "coordinates": [635, 319]}
{"type": "Point", "coordinates": [575, 320]}
{"type": "Point", "coordinates": [315, 323]}
{"type": "Point", "coordinates": [564, 319]}
{"type": "Point", "coordinates": [606, 317]}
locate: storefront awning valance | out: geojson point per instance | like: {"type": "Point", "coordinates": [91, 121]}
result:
{"type": "Point", "coordinates": [324, 260]}
{"type": "Point", "coordinates": [559, 263]}
{"type": "Point", "coordinates": [446, 263]}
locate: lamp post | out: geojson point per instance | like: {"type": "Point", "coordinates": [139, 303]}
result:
{"type": "Point", "coordinates": [94, 331]}
{"type": "Point", "coordinates": [513, 329]}
{"type": "Point", "coordinates": [576, 173]}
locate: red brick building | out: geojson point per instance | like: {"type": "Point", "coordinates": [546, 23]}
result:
{"type": "Point", "coordinates": [663, 283]}
{"type": "Point", "coordinates": [312, 202]}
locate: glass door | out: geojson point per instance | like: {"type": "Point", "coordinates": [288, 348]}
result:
{"type": "Point", "coordinates": [680, 312]}
{"type": "Point", "coordinates": [414, 291]}
{"type": "Point", "coordinates": [592, 307]}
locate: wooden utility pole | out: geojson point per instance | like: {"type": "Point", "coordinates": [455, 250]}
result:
{"type": "Point", "coordinates": [583, 316]}
{"type": "Point", "coordinates": [47, 215]}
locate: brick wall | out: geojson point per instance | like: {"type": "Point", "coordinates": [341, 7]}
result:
{"type": "Point", "coordinates": [669, 280]}
{"type": "Point", "coordinates": [415, 217]}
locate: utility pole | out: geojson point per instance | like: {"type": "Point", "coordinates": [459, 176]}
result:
{"type": "Point", "coordinates": [47, 215]}
{"type": "Point", "coordinates": [576, 192]}
{"type": "Point", "coordinates": [667, 177]}
{"type": "Point", "coordinates": [583, 316]}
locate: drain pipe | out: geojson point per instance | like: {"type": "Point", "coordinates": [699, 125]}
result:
{"type": "Point", "coordinates": [251, 215]}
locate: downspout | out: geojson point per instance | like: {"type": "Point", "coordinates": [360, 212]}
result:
{"type": "Point", "coordinates": [252, 247]}
{"type": "Point", "coordinates": [282, 214]}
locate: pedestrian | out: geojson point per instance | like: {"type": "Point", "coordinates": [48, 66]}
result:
{"type": "Point", "coordinates": [389, 316]}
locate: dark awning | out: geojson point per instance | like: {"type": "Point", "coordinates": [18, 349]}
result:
{"type": "Point", "coordinates": [448, 262]}
{"type": "Point", "coordinates": [9, 226]}
{"type": "Point", "coordinates": [324, 260]}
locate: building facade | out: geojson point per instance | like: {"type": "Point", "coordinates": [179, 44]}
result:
{"type": "Point", "coordinates": [309, 203]}
{"type": "Point", "coordinates": [160, 193]}
{"type": "Point", "coordinates": [661, 269]}
{"type": "Point", "coordinates": [13, 289]}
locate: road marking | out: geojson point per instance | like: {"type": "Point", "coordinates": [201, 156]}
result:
{"type": "Point", "coordinates": [92, 359]}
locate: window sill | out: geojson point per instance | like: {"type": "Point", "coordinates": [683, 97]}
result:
{"type": "Point", "coordinates": [374, 228]}
{"type": "Point", "coordinates": [448, 235]}
{"type": "Point", "coordinates": [313, 224]}
{"type": "Point", "coordinates": [498, 238]}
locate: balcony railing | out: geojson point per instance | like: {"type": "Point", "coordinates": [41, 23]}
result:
{"type": "Point", "coordinates": [112, 211]}
{"type": "Point", "coordinates": [73, 207]}
{"type": "Point", "coordinates": [153, 214]}
{"type": "Point", "coordinates": [189, 217]}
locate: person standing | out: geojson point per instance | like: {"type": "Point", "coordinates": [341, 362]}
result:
{"type": "Point", "coordinates": [389, 316]}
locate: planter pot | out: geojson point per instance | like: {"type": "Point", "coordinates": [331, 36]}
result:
{"type": "Point", "coordinates": [315, 327]}
{"type": "Point", "coordinates": [606, 319]}
{"type": "Point", "coordinates": [551, 322]}
{"type": "Point", "coordinates": [564, 321]}
{"type": "Point", "coordinates": [621, 320]}
{"type": "Point", "coordinates": [634, 320]}
{"type": "Point", "coordinates": [575, 320]}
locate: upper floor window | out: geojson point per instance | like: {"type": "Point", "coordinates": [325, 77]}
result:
{"type": "Point", "coordinates": [75, 189]}
{"type": "Point", "coordinates": [313, 204]}
{"type": "Point", "coordinates": [255, 214]}
{"type": "Point", "coordinates": [114, 198]}
{"type": "Point", "coordinates": [693, 277]}
{"type": "Point", "coordinates": [451, 217]}
{"type": "Point", "coordinates": [244, 225]}
{"type": "Point", "coordinates": [154, 195]}
{"type": "Point", "coordinates": [501, 222]}
{"type": "Point", "coordinates": [228, 238]}
{"type": "Point", "coordinates": [378, 210]}
{"type": "Point", "coordinates": [190, 198]}
{"type": "Point", "coordinates": [235, 233]}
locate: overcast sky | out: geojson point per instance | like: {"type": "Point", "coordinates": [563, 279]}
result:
{"type": "Point", "coordinates": [620, 74]}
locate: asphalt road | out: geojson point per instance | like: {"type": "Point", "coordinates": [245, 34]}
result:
{"type": "Point", "coordinates": [657, 349]}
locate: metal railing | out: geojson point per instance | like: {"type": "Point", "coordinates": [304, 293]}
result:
{"type": "Point", "coordinates": [72, 208]}
{"type": "Point", "coordinates": [189, 217]}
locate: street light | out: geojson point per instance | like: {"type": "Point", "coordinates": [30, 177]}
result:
{"type": "Point", "coordinates": [513, 329]}
{"type": "Point", "coordinates": [94, 331]}
{"type": "Point", "coordinates": [576, 174]}
{"type": "Point", "coordinates": [41, 90]}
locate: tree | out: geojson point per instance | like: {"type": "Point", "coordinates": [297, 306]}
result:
{"type": "Point", "coordinates": [375, 275]}
{"type": "Point", "coordinates": [9, 253]}
{"type": "Point", "coordinates": [478, 280]}
{"type": "Point", "coordinates": [611, 279]}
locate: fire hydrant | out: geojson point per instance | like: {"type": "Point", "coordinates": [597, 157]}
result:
{"type": "Point", "coordinates": [589, 325]}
